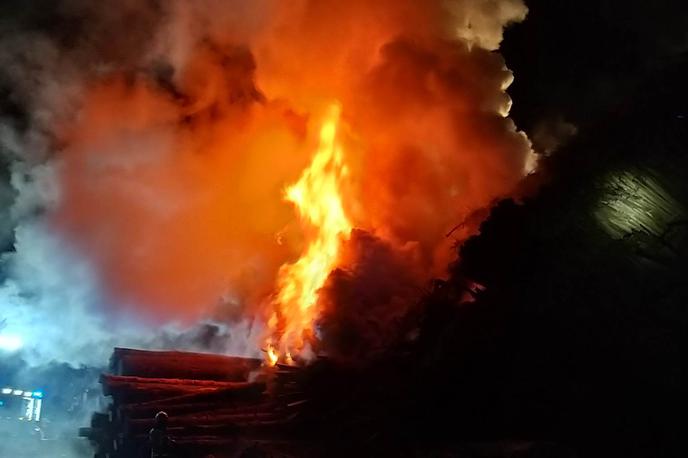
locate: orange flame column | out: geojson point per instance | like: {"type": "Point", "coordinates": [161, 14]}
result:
{"type": "Point", "coordinates": [318, 202]}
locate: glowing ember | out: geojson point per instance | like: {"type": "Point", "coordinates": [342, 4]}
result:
{"type": "Point", "coordinates": [318, 202]}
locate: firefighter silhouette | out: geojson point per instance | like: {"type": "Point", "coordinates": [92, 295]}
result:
{"type": "Point", "coordinates": [161, 444]}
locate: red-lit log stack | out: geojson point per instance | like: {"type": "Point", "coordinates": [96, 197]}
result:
{"type": "Point", "coordinates": [217, 405]}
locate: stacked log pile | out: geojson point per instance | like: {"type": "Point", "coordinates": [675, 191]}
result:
{"type": "Point", "coordinates": [216, 404]}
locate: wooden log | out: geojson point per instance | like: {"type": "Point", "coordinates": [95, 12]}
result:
{"type": "Point", "coordinates": [268, 428]}
{"type": "Point", "coordinates": [174, 364]}
{"type": "Point", "coordinates": [173, 381]}
{"type": "Point", "coordinates": [208, 398]}
{"type": "Point", "coordinates": [193, 421]}
{"type": "Point", "coordinates": [127, 393]}
{"type": "Point", "coordinates": [137, 411]}
{"type": "Point", "coordinates": [113, 383]}
{"type": "Point", "coordinates": [251, 392]}
{"type": "Point", "coordinates": [219, 440]}
{"type": "Point", "coordinates": [128, 390]}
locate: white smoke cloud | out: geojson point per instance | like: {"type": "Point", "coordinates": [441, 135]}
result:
{"type": "Point", "coordinates": [50, 295]}
{"type": "Point", "coordinates": [481, 22]}
{"type": "Point", "coordinates": [49, 299]}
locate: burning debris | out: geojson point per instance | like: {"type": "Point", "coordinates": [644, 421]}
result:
{"type": "Point", "coordinates": [317, 197]}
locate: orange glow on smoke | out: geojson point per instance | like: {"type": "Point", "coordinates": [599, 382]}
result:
{"type": "Point", "coordinates": [318, 201]}
{"type": "Point", "coordinates": [174, 164]}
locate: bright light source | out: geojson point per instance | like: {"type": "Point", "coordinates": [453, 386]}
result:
{"type": "Point", "coordinates": [7, 391]}
{"type": "Point", "coordinates": [635, 201]}
{"type": "Point", "coordinates": [18, 392]}
{"type": "Point", "coordinates": [38, 394]}
{"type": "Point", "coordinates": [28, 393]}
{"type": "Point", "coordinates": [28, 414]}
{"type": "Point", "coordinates": [37, 410]}
{"type": "Point", "coordinates": [10, 342]}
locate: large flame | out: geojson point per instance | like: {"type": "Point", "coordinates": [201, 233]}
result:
{"type": "Point", "coordinates": [316, 196]}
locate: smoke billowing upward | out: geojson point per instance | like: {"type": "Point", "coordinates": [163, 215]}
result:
{"type": "Point", "coordinates": [149, 144]}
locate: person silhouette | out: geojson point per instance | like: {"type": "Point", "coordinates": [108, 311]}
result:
{"type": "Point", "coordinates": [160, 442]}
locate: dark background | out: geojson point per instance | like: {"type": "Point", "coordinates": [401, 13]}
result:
{"type": "Point", "coordinates": [575, 341]}
{"type": "Point", "coordinates": [579, 336]}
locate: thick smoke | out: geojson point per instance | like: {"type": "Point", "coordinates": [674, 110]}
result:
{"type": "Point", "coordinates": [149, 144]}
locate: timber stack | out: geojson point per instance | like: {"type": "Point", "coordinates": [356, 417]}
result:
{"type": "Point", "coordinates": [217, 404]}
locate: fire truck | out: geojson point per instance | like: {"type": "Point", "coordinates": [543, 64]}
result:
{"type": "Point", "coordinates": [20, 411]}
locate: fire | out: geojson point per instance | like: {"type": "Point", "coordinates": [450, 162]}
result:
{"type": "Point", "coordinates": [318, 201]}
{"type": "Point", "coordinates": [194, 132]}
{"type": "Point", "coordinates": [272, 355]}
